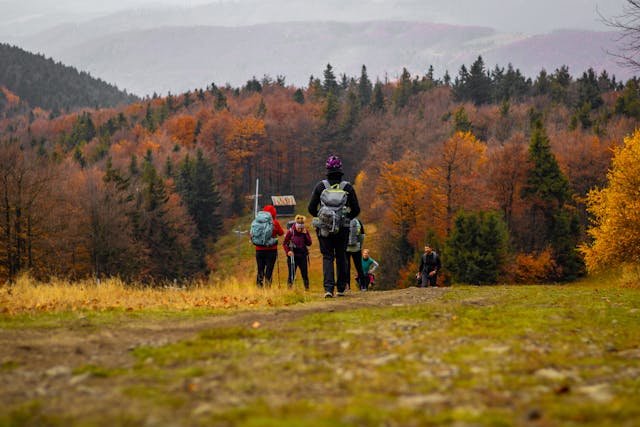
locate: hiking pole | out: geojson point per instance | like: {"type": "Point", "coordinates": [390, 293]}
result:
{"type": "Point", "coordinates": [293, 269]}
{"type": "Point", "coordinates": [278, 267]}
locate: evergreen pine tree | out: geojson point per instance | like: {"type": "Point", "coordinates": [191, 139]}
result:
{"type": "Point", "coordinates": [83, 131]}
{"type": "Point", "coordinates": [479, 83]}
{"type": "Point", "coordinates": [168, 168]}
{"type": "Point", "coordinates": [378, 103]}
{"type": "Point", "coordinates": [548, 190]}
{"type": "Point", "coordinates": [430, 72]}
{"type": "Point", "coordinates": [446, 78]}
{"type": "Point", "coordinates": [477, 247]}
{"type": "Point", "coordinates": [565, 237]}
{"type": "Point", "coordinates": [461, 121]}
{"type": "Point", "coordinates": [542, 85]}
{"type": "Point", "coordinates": [350, 116]}
{"type": "Point", "coordinates": [546, 185]}
{"type": "Point", "coordinates": [253, 85]}
{"type": "Point", "coordinates": [298, 96]}
{"type": "Point", "coordinates": [206, 202]}
{"type": "Point", "coordinates": [629, 102]}
{"type": "Point", "coordinates": [220, 101]}
{"type": "Point", "coordinates": [364, 88]}
{"type": "Point", "coordinates": [149, 122]}
{"type": "Point", "coordinates": [186, 101]}
{"type": "Point", "coordinates": [133, 166]}
{"type": "Point", "coordinates": [560, 82]}
{"type": "Point", "coordinates": [330, 85]}
{"type": "Point", "coordinates": [589, 91]}
{"type": "Point", "coordinates": [344, 82]}
{"type": "Point", "coordinates": [403, 90]}
{"type": "Point", "coordinates": [331, 108]}
{"type": "Point", "coordinates": [460, 91]}
{"type": "Point", "coordinates": [153, 228]}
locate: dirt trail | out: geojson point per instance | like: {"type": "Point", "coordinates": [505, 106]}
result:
{"type": "Point", "coordinates": [40, 352]}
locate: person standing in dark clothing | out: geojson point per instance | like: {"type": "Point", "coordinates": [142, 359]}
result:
{"type": "Point", "coordinates": [354, 252]}
{"type": "Point", "coordinates": [429, 266]}
{"type": "Point", "coordinates": [267, 256]}
{"type": "Point", "coordinates": [333, 244]}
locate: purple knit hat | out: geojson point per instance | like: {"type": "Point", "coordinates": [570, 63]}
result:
{"type": "Point", "coordinates": [334, 164]}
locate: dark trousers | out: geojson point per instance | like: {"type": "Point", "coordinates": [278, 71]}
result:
{"type": "Point", "coordinates": [357, 262]}
{"type": "Point", "coordinates": [266, 260]}
{"type": "Point", "coordinates": [299, 262]}
{"type": "Point", "coordinates": [334, 247]}
{"type": "Point", "coordinates": [428, 280]}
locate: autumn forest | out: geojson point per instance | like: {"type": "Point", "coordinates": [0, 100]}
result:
{"type": "Point", "coordinates": [491, 167]}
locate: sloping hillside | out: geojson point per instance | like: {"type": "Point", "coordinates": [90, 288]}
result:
{"type": "Point", "coordinates": [179, 58]}
{"type": "Point", "coordinates": [41, 82]}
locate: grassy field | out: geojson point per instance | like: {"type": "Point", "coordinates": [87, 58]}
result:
{"type": "Point", "coordinates": [504, 355]}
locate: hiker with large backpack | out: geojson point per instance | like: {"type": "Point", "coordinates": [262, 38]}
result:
{"type": "Point", "coordinates": [333, 204]}
{"type": "Point", "coordinates": [354, 252]}
{"type": "Point", "coordinates": [429, 266]}
{"type": "Point", "coordinates": [295, 244]}
{"type": "Point", "coordinates": [264, 233]}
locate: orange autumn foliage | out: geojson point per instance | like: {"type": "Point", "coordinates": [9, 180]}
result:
{"type": "Point", "coordinates": [532, 268]}
{"type": "Point", "coordinates": [182, 129]}
{"type": "Point", "coordinates": [456, 173]}
{"type": "Point", "coordinates": [402, 191]}
{"type": "Point", "coordinates": [12, 98]}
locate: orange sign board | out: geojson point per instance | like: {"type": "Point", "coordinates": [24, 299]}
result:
{"type": "Point", "coordinates": [283, 200]}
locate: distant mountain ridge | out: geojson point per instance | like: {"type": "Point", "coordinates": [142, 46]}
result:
{"type": "Point", "coordinates": [41, 82]}
{"type": "Point", "coordinates": [177, 59]}
{"type": "Point", "coordinates": [21, 18]}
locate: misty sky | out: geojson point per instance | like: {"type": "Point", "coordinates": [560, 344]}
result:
{"type": "Point", "coordinates": [528, 16]}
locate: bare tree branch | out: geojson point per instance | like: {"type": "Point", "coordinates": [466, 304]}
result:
{"type": "Point", "coordinates": [628, 25]}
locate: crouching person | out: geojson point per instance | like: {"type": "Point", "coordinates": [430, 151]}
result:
{"type": "Point", "coordinates": [429, 266]}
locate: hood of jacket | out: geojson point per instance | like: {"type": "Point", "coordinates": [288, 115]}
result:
{"type": "Point", "coordinates": [271, 209]}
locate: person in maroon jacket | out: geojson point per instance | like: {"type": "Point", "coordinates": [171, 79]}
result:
{"type": "Point", "coordinates": [266, 256]}
{"type": "Point", "coordinates": [295, 246]}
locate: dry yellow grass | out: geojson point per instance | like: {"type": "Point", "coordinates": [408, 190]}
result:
{"type": "Point", "coordinates": [28, 295]}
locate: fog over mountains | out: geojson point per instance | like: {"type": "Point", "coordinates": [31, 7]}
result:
{"type": "Point", "coordinates": [533, 17]}
{"type": "Point", "coordinates": [173, 45]}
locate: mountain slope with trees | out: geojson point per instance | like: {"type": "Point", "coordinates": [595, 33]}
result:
{"type": "Point", "coordinates": [43, 83]}
{"type": "Point", "coordinates": [163, 176]}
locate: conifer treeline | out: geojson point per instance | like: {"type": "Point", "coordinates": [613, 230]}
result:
{"type": "Point", "coordinates": [43, 83]}
{"type": "Point", "coordinates": [141, 190]}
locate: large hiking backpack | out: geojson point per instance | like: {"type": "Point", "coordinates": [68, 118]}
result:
{"type": "Point", "coordinates": [356, 236]}
{"type": "Point", "coordinates": [262, 230]}
{"type": "Point", "coordinates": [333, 206]}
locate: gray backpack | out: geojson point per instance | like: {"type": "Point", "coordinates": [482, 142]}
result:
{"type": "Point", "coordinates": [333, 206]}
{"type": "Point", "coordinates": [356, 236]}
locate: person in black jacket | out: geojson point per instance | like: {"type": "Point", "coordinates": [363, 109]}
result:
{"type": "Point", "coordinates": [429, 266]}
{"type": "Point", "coordinates": [333, 246]}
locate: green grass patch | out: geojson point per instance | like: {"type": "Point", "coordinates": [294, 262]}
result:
{"type": "Point", "coordinates": [31, 413]}
{"type": "Point", "coordinates": [210, 344]}
{"type": "Point", "coordinates": [88, 319]}
{"type": "Point", "coordinates": [8, 365]}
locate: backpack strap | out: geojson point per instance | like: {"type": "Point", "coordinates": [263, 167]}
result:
{"type": "Point", "coordinates": [328, 186]}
